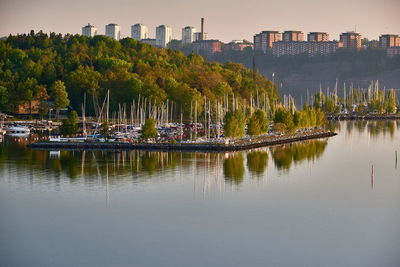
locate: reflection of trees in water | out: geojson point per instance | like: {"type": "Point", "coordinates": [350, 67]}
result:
{"type": "Point", "coordinates": [257, 162]}
{"type": "Point", "coordinates": [333, 126]}
{"type": "Point", "coordinates": [375, 128]}
{"type": "Point", "coordinates": [284, 156]}
{"type": "Point", "coordinates": [234, 168]}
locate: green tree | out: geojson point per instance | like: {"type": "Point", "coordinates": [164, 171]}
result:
{"type": "Point", "coordinates": [4, 98]}
{"type": "Point", "coordinates": [70, 125]}
{"type": "Point", "coordinates": [258, 123]}
{"type": "Point", "coordinates": [284, 116]}
{"type": "Point", "coordinates": [59, 95]}
{"type": "Point", "coordinates": [149, 129]}
{"type": "Point", "coordinates": [234, 124]}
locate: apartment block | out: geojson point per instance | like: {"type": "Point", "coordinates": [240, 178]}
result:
{"type": "Point", "coordinates": [113, 31]}
{"type": "Point", "coordinates": [207, 47]}
{"type": "Point", "coordinates": [139, 32]}
{"type": "Point", "coordinates": [293, 36]}
{"type": "Point", "coordinates": [318, 37]}
{"type": "Point", "coordinates": [351, 40]}
{"type": "Point", "coordinates": [89, 30]}
{"type": "Point", "coordinates": [308, 48]}
{"type": "Point", "coordinates": [389, 40]}
{"type": "Point", "coordinates": [264, 40]}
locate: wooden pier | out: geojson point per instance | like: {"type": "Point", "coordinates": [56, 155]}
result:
{"type": "Point", "coordinates": [210, 147]}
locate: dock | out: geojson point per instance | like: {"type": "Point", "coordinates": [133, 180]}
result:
{"type": "Point", "coordinates": [201, 147]}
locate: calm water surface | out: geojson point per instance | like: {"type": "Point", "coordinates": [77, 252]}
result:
{"type": "Point", "coordinates": [328, 202]}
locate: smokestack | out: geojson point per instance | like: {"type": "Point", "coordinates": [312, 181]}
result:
{"type": "Point", "coordinates": [202, 29]}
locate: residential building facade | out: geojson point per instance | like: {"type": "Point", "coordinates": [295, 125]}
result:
{"type": "Point", "coordinates": [318, 37]}
{"type": "Point", "coordinates": [207, 47]}
{"type": "Point", "coordinates": [188, 34]}
{"type": "Point", "coordinates": [308, 48]}
{"type": "Point", "coordinates": [139, 32]}
{"type": "Point", "coordinates": [89, 30]}
{"type": "Point", "coordinates": [163, 36]}
{"type": "Point", "coordinates": [264, 40]}
{"type": "Point", "coordinates": [293, 36]}
{"type": "Point", "coordinates": [113, 31]}
{"type": "Point", "coordinates": [389, 40]}
{"type": "Point", "coordinates": [393, 51]}
{"type": "Point", "coordinates": [351, 40]}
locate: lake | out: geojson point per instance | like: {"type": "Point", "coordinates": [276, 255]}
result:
{"type": "Point", "coordinates": [326, 202]}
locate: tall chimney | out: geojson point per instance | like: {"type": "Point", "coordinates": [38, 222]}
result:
{"type": "Point", "coordinates": [202, 29]}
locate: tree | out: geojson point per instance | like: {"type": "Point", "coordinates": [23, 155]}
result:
{"type": "Point", "coordinates": [284, 116]}
{"type": "Point", "coordinates": [149, 129]}
{"type": "Point", "coordinates": [234, 124]}
{"type": "Point", "coordinates": [70, 125]}
{"type": "Point", "coordinates": [258, 123]}
{"type": "Point", "coordinates": [4, 98]}
{"type": "Point", "coordinates": [59, 95]}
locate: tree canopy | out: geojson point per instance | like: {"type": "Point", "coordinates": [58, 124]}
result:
{"type": "Point", "coordinates": [127, 68]}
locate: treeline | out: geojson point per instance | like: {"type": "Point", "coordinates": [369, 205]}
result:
{"type": "Point", "coordinates": [63, 69]}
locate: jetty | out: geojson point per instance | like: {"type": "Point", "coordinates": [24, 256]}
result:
{"type": "Point", "coordinates": [203, 147]}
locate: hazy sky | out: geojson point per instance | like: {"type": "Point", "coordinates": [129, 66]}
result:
{"type": "Point", "coordinates": [224, 19]}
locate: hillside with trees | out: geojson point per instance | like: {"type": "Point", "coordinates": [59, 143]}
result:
{"type": "Point", "coordinates": [296, 74]}
{"type": "Point", "coordinates": [62, 70]}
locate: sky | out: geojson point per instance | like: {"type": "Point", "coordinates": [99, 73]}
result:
{"type": "Point", "coordinates": [225, 20]}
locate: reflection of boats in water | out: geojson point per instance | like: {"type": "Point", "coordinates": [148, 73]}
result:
{"type": "Point", "coordinates": [18, 131]}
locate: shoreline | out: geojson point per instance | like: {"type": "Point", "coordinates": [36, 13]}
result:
{"type": "Point", "coordinates": [201, 147]}
{"type": "Point", "coordinates": [363, 117]}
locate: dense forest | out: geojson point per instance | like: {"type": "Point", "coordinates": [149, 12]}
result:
{"type": "Point", "coordinates": [63, 69]}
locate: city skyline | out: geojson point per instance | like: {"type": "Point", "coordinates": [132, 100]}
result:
{"type": "Point", "coordinates": [372, 20]}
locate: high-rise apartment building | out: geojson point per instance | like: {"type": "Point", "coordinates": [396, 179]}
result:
{"type": "Point", "coordinates": [89, 30]}
{"type": "Point", "coordinates": [163, 35]}
{"type": "Point", "coordinates": [292, 36]}
{"type": "Point", "coordinates": [139, 32]}
{"type": "Point", "coordinates": [318, 37]}
{"type": "Point", "coordinates": [265, 39]}
{"type": "Point", "coordinates": [389, 40]}
{"type": "Point", "coordinates": [113, 31]}
{"type": "Point", "coordinates": [351, 40]}
{"type": "Point", "coordinates": [188, 35]}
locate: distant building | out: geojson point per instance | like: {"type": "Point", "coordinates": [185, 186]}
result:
{"type": "Point", "coordinates": [293, 36]}
{"type": "Point", "coordinates": [188, 34]}
{"type": "Point", "coordinates": [389, 40]}
{"type": "Point", "coordinates": [89, 30]}
{"type": "Point", "coordinates": [238, 45]}
{"type": "Point", "coordinates": [207, 47]}
{"type": "Point", "coordinates": [149, 41]}
{"type": "Point", "coordinates": [113, 31]}
{"type": "Point", "coordinates": [139, 32]}
{"type": "Point", "coordinates": [308, 48]}
{"type": "Point", "coordinates": [351, 40]}
{"type": "Point", "coordinates": [318, 37]}
{"type": "Point", "coordinates": [163, 36]}
{"type": "Point", "coordinates": [393, 51]}
{"type": "Point", "coordinates": [198, 36]}
{"type": "Point", "coordinates": [264, 40]}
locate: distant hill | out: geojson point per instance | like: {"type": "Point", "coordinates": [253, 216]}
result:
{"type": "Point", "coordinates": [296, 74]}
